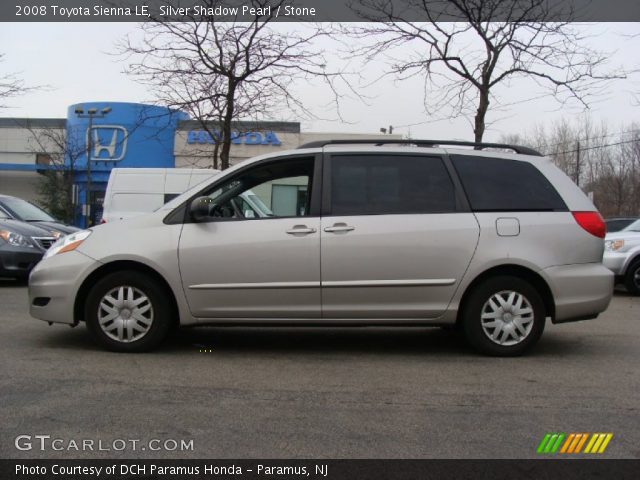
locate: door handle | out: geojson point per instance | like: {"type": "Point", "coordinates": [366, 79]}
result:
{"type": "Point", "coordinates": [339, 227]}
{"type": "Point", "coordinates": [301, 229]}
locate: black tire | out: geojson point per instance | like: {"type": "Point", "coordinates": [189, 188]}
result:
{"type": "Point", "coordinates": [453, 328]}
{"type": "Point", "coordinates": [160, 308]}
{"type": "Point", "coordinates": [479, 299]}
{"type": "Point", "coordinates": [632, 278]}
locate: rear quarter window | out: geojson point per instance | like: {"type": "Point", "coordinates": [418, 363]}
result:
{"type": "Point", "coordinates": [496, 184]}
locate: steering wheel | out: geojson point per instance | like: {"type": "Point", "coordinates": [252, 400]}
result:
{"type": "Point", "coordinates": [223, 211]}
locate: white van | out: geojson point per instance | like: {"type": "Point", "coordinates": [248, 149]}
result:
{"type": "Point", "coordinates": [135, 191]}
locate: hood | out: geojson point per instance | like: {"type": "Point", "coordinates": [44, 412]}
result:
{"type": "Point", "coordinates": [59, 227]}
{"type": "Point", "coordinates": [24, 228]}
{"type": "Point", "coordinates": [126, 225]}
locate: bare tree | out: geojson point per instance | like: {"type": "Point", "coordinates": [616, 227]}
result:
{"type": "Point", "coordinates": [222, 72]}
{"type": "Point", "coordinates": [58, 155]}
{"type": "Point", "coordinates": [463, 64]}
{"type": "Point", "coordinates": [11, 85]}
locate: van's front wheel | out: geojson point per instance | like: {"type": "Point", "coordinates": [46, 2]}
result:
{"type": "Point", "coordinates": [128, 311]}
{"type": "Point", "coordinates": [503, 316]}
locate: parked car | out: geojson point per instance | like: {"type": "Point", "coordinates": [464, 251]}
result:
{"type": "Point", "coordinates": [622, 256]}
{"type": "Point", "coordinates": [22, 245]}
{"type": "Point", "coordinates": [19, 209]}
{"type": "Point", "coordinates": [135, 191]}
{"type": "Point", "coordinates": [410, 233]}
{"type": "Point", "coordinates": [616, 224]}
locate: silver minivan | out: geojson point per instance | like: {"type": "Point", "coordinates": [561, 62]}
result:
{"type": "Point", "coordinates": [406, 233]}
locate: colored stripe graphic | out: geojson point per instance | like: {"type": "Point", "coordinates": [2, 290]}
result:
{"type": "Point", "coordinates": [598, 442]}
{"type": "Point", "coordinates": [594, 437]}
{"type": "Point", "coordinates": [607, 439]}
{"type": "Point", "coordinates": [555, 447]}
{"type": "Point", "coordinates": [551, 442]}
{"type": "Point", "coordinates": [573, 443]}
{"type": "Point", "coordinates": [567, 442]}
{"type": "Point", "coordinates": [577, 438]}
{"type": "Point", "coordinates": [581, 442]}
{"type": "Point", "coordinates": [543, 443]}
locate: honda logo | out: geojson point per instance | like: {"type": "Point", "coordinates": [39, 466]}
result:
{"type": "Point", "coordinates": [108, 142]}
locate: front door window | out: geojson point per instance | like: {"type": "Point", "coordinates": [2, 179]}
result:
{"type": "Point", "coordinates": [278, 189]}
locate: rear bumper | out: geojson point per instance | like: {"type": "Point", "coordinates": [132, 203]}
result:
{"type": "Point", "coordinates": [17, 262]}
{"type": "Point", "coordinates": [581, 291]}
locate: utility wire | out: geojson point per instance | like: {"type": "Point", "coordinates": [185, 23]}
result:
{"type": "Point", "coordinates": [595, 137]}
{"type": "Point", "coordinates": [584, 139]}
{"type": "Point", "coordinates": [593, 147]}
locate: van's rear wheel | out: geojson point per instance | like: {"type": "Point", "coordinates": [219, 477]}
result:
{"type": "Point", "coordinates": [128, 311]}
{"type": "Point", "coordinates": [503, 316]}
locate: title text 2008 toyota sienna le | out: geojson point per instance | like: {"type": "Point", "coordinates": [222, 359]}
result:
{"type": "Point", "coordinates": [407, 233]}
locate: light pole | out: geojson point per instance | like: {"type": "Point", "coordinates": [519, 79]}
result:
{"type": "Point", "coordinates": [91, 113]}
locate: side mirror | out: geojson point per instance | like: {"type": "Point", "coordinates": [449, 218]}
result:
{"type": "Point", "coordinates": [200, 208]}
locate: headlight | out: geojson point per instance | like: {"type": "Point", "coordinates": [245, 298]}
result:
{"type": "Point", "coordinates": [15, 239]}
{"type": "Point", "coordinates": [68, 243]}
{"type": "Point", "coordinates": [613, 245]}
{"type": "Point", "coordinates": [56, 234]}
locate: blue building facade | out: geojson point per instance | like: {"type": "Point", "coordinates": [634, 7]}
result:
{"type": "Point", "coordinates": [113, 135]}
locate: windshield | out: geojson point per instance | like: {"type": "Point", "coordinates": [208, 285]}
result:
{"type": "Point", "coordinates": [25, 211]}
{"type": "Point", "coordinates": [634, 227]}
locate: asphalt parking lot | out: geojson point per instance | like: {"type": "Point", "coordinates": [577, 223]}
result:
{"type": "Point", "coordinates": [314, 393]}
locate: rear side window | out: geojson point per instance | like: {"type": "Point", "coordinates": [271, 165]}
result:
{"type": "Point", "coordinates": [388, 184]}
{"type": "Point", "coordinates": [496, 184]}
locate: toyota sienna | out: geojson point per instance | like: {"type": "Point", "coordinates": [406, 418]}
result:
{"type": "Point", "coordinates": [395, 233]}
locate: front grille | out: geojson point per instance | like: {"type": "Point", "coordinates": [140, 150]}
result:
{"type": "Point", "coordinates": [44, 242]}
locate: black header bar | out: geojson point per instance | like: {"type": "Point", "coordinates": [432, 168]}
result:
{"type": "Point", "coordinates": [314, 10]}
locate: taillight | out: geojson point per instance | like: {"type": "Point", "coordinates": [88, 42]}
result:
{"type": "Point", "coordinates": [592, 222]}
{"type": "Point", "coordinates": [102, 220]}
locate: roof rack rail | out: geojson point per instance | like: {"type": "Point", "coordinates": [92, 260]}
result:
{"type": "Point", "coordinates": [423, 143]}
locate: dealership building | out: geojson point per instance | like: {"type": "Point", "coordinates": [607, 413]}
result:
{"type": "Point", "coordinates": [128, 135]}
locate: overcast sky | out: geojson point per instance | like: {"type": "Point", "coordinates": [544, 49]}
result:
{"type": "Point", "coordinates": [74, 60]}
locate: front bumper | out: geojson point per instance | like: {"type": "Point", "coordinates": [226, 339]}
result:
{"type": "Point", "coordinates": [581, 291]}
{"type": "Point", "coordinates": [615, 261]}
{"type": "Point", "coordinates": [17, 262]}
{"type": "Point", "coordinates": [54, 283]}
